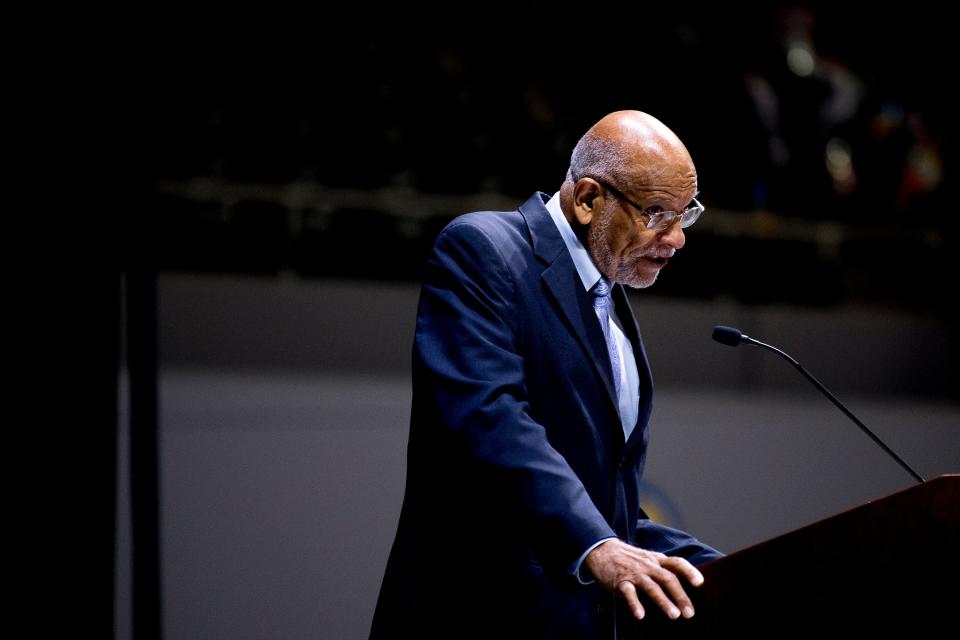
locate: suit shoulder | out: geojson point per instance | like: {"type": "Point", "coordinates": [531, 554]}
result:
{"type": "Point", "coordinates": [496, 225]}
{"type": "Point", "coordinates": [504, 230]}
{"type": "Point", "coordinates": [487, 239]}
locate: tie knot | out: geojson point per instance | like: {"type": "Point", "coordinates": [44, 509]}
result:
{"type": "Point", "coordinates": [601, 289]}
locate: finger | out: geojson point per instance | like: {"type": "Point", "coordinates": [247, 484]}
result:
{"type": "Point", "coordinates": [659, 598]}
{"type": "Point", "coordinates": [674, 591]}
{"type": "Point", "coordinates": [629, 593]}
{"type": "Point", "coordinates": [683, 567]}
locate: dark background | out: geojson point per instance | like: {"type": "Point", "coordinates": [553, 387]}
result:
{"type": "Point", "coordinates": [297, 169]}
{"type": "Point", "coordinates": [289, 152]}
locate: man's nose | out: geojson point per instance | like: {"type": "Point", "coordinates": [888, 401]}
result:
{"type": "Point", "coordinates": [673, 236]}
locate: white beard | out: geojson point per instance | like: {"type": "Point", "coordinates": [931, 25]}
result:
{"type": "Point", "coordinates": [612, 266]}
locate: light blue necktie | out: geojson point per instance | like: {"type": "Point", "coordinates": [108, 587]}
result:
{"type": "Point", "coordinates": [602, 303]}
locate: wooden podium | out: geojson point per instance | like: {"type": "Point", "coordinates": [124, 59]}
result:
{"type": "Point", "coordinates": [888, 568]}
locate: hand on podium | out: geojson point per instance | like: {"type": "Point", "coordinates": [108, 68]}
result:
{"type": "Point", "coordinates": [625, 569]}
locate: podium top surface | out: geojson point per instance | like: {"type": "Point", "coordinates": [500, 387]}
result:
{"type": "Point", "coordinates": [938, 497]}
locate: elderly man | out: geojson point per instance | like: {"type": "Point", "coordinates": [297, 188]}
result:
{"type": "Point", "coordinates": [530, 406]}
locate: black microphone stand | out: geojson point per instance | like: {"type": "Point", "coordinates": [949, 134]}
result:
{"type": "Point", "coordinates": [726, 338]}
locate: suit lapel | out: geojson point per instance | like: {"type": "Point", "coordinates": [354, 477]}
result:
{"type": "Point", "coordinates": [567, 290]}
{"type": "Point", "coordinates": [562, 281]}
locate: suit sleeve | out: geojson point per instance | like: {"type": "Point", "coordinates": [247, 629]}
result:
{"type": "Point", "coordinates": [467, 344]}
{"type": "Point", "coordinates": [673, 542]}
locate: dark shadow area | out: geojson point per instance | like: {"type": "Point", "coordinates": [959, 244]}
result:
{"type": "Point", "coordinates": [821, 147]}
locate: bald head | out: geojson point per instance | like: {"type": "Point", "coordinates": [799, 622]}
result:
{"type": "Point", "coordinates": [632, 149]}
{"type": "Point", "coordinates": [625, 166]}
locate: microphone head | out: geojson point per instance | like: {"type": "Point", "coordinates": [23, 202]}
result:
{"type": "Point", "coordinates": [727, 335]}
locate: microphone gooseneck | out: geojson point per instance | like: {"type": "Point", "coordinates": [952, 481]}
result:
{"type": "Point", "coordinates": [733, 337]}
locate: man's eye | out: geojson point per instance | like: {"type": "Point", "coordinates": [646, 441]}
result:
{"type": "Point", "coordinates": [654, 210]}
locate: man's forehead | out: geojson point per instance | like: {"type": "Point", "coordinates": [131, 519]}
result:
{"type": "Point", "coordinates": [672, 186]}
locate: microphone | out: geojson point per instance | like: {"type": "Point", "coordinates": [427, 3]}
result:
{"type": "Point", "coordinates": [733, 337]}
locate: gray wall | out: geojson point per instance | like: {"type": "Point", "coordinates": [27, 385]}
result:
{"type": "Point", "coordinates": [284, 416]}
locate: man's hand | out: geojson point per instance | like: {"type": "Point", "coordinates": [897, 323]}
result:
{"type": "Point", "coordinates": [625, 569]}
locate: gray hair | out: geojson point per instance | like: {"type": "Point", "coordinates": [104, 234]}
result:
{"type": "Point", "coordinates": [599, 157]}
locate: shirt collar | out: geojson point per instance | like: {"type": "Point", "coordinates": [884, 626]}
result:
{"type": "Point", "coordinates": [588, 272]}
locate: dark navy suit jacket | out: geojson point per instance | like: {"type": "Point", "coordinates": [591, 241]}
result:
{"type": "Point", "coordinates": [517, 461]}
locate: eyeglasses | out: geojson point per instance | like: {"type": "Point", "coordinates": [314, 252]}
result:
{"type": "Point", "coordinates": [661, 220]}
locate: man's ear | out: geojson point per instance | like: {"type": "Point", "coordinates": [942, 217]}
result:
{"type": "Point", "coordinates": [586, 192]}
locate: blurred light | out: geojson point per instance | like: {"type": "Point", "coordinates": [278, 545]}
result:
{"type": "Point", "coordinates": [925, 164]}
{"type": "Point", "coordinates": [887, 120]}
{"type": "Point", "coordinates": [840, 166]}
{"type": "Point", "coordinates": [800, 60]}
